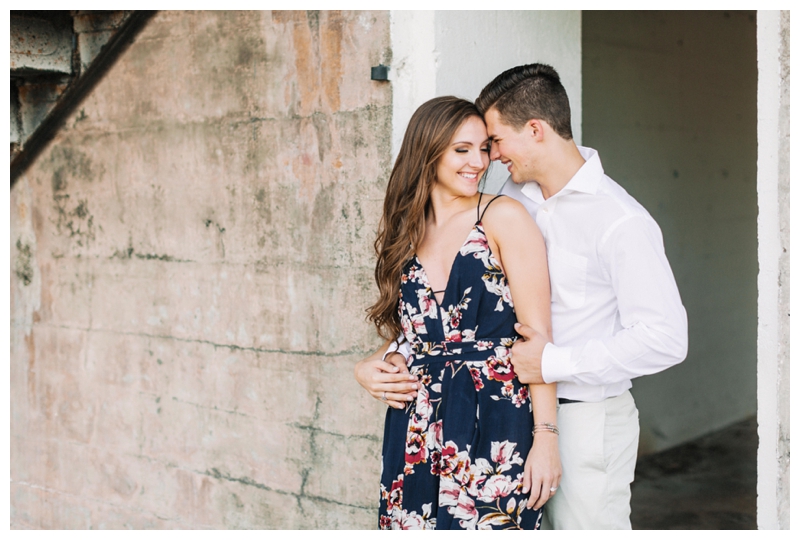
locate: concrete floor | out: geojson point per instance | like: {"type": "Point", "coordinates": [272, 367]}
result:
{"type": "Point", "coordinates": [709, 483]}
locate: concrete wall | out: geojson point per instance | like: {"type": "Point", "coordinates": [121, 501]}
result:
{"type": "Point", "coordinates": [190, 263]}
{"type": "Point", "coordinates": [774, 221]}
{"type": "Point", "coordinates": [670, 103]}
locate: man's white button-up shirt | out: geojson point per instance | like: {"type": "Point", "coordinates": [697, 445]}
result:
{"type": "Point", "coordinates": [616, 310]}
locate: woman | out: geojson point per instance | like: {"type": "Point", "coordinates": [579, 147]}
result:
{"type": "Point", "coordinates": [453, 457]}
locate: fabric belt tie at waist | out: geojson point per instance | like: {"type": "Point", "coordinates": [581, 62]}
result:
{"type": "Point", "coordinates": [429, 352]}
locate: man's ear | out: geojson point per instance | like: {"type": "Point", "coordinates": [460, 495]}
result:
{"type": "Point", "coordinates": [536, 129]}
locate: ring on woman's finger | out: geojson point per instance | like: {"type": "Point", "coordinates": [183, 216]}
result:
{"type": "Point", "coordinates": [383, 397]}
{"type": "Point", "coordinates": [553, 489]}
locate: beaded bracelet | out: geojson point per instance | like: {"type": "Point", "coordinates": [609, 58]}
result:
{"type": "Point", "coordinates": [545, 427]}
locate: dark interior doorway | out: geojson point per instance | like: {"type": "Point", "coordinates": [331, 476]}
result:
{"type": "Point", "coordinates": [669, 101]}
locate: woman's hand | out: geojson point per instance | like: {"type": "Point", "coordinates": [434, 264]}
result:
{"type": "Point", "coordinates": [390, 380]}
{"type": "Point", "coordinates": [542, 469]}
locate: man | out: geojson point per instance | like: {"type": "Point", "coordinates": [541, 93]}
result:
{"type": "Point", "coordinates": [615, 306]}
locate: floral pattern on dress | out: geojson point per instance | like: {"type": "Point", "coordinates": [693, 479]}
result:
{"type": "Point", "coordinates": [493, 277]}
{"type": "Point", "coordinates": [454, 457]}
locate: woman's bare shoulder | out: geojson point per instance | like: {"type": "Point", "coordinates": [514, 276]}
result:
{"type": "Point", "coordinates": [505, 212]}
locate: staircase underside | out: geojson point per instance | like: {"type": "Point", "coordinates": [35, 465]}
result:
{"type": "Point", "coordinates": [56, 59]}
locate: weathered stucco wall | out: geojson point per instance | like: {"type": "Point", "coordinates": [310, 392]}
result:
{"type": "Point", "coordinates": [191, 259]}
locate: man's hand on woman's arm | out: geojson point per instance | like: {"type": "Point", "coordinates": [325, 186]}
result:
{"type": "Point", "coordinates": [526, 354]}
{"type": "Point", "coordinates": [388, 379]}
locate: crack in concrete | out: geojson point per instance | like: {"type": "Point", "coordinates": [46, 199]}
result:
{"type": "Point", "coordinates": [371, 438]}
{"type": "Point", "coordinates": [100, 501]}
{"type": "Point", "coordinates": [165, 258]}
{"type": "Point", "coordinates": [348, 352]}
{"type": "Point", "coordinates": [219, 475]}
{"type": "Point", "coordinates": [215, 473]}
{"type": "Point", "coordinates": [129, 253]}
{"type": "Point", "coordinates": [215, 408]}
{"type": "Point", "coordinates": [312, 448]}
{"type": "Point", "coordinates": [232, 120]}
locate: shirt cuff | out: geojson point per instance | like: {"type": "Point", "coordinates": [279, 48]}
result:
{"type": "Point", "coordinates": [392, 349]}
{"type": "Point", "coordinates": [556, 363]}
{"type": "Point", "coordinates": [403, 348]}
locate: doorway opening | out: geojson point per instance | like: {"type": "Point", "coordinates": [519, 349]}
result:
{"type": "Point", "coordinates": [670, 103]}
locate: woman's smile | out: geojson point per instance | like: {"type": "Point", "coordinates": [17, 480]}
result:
{"type": "Point", "coordinates": [465, 159]}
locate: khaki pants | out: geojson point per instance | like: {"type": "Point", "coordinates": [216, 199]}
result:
{"type": "Point", "coordinates": [598, 445]}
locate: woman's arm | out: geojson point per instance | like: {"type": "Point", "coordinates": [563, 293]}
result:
{"type": "Point", "coordinates": [543, 466]}
{"type": "Point", "coordinates": [391, 376]}
{"type": "Point", "coordinates": [521, 251]}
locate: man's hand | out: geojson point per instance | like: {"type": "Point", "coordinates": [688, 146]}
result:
{"type": "Point", "coordinates": [526, 356]}
{"type": "Point", "coordinates": [389, 379]}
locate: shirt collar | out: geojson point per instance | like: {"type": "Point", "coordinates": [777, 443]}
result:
{"type": "Point", "coordinates": [586, 180]}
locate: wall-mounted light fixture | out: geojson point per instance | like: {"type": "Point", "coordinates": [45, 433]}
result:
{"type": "Point", "coordinates": [380, 73]}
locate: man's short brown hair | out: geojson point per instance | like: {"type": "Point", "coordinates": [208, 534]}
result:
{"type": "Point", "coordinates": [526, 92]}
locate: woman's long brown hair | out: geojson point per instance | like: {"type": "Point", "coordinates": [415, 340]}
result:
{"type": "Point", "coordinates": [407, 202]}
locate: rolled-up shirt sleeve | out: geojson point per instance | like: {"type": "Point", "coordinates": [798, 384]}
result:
{"type": "Point", "coordinates": [403, 348]}
{"type": "Point", "coordinates": [654, 333]}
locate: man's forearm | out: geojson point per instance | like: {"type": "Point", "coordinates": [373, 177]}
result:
{"type": "Point", "coordinates": [628, 354]}
{"type": "Point", "coordinates": [654, 336]}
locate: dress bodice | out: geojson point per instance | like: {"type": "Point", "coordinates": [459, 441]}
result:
{"type": "Point", "coordinates": [476, 312]}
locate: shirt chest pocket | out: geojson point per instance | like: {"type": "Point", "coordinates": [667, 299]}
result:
{"type": "Point", "coordinates": [567, 277]}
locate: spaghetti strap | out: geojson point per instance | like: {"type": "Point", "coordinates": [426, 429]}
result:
{"type": "Point", "coordinates": [480, 217]}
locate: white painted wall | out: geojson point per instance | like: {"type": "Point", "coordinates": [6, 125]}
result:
{"type": "Point", "coordinates": [437, 53]}
{"type": "Point", "coordinates": [473, 47]}
{"type": "Point", "coordinates": [413, 69]}
{"type": "Point", "coordinates": [773, 276]}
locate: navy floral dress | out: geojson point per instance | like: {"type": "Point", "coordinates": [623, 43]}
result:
{"type": "Point", "coordinates": [454, 457]}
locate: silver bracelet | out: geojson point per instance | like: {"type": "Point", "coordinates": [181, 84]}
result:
{"type": "Point", "coordinates": [546, 426]}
